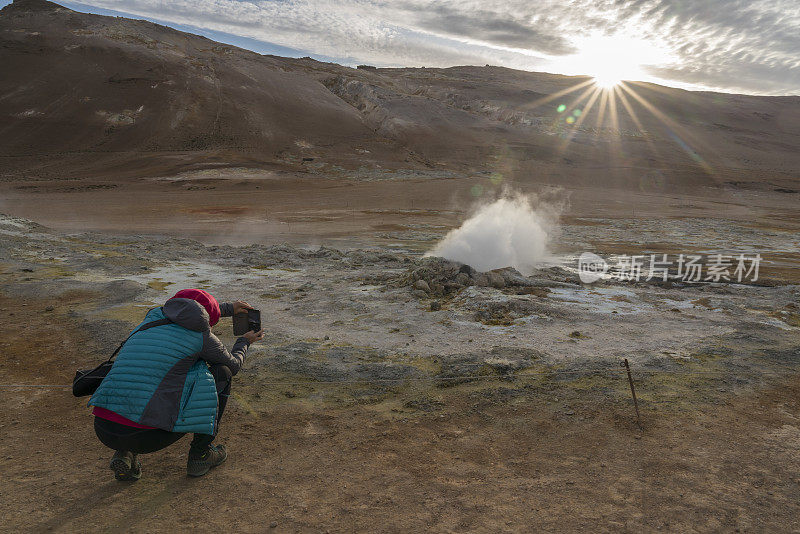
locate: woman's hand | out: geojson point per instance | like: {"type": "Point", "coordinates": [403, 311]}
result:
{"type": "Point", "coordinates": [252, 337]}
{"type": "Point", "coordinates": [241, 306]}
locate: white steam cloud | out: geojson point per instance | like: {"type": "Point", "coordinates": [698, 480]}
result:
{"type": "Point", "coordinates": [514, 231]}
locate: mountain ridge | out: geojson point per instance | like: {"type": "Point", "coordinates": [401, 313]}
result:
{"type": "Point", "coordinates": [85, 88]}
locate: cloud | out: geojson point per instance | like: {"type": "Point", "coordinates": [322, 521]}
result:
{"type": "Point", "coordinates": [503, 29]}
{"type": "Point", "coordinates": [734, 45]}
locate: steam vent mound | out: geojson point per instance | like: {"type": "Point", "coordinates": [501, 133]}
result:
{"type": "Point", "coordinates": [438, 277]}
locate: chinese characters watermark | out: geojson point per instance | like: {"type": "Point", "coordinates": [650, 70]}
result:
{"type": "Point", "coordinates": [692, 268]}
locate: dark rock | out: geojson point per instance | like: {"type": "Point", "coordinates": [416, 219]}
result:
{"type": "Point", "coordinates": [452, 287]}
{"type": "Point", "coordinates": [422, 285]}
{"type": "Point", "coordinates": [467, 269]}
{"type": "Point", "coordinates": [512, 277]}
{"type": "Point", "coordinates": [481, 280]}
{"type": "Point", "coordinates": [496, 280]}
{"type": "Point", "coordinates": [463, 279]}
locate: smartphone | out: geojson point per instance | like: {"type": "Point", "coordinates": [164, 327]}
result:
{"type": "Point", "coordinates": [244, 322]}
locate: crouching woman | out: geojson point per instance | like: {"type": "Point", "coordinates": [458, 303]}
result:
{"type": "Point", "coordinates": [171, 377]}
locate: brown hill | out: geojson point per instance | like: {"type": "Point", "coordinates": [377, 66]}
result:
{"type": "Point", "coordinates": [91, 95]}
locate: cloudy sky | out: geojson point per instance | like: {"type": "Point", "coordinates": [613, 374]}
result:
{"type": "Point", "coordinates": [750, 46]}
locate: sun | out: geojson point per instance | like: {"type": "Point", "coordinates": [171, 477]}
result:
{"type": "Point", "coordinates": [609, 59]}
{"type": "Point", "coordinates": [606, 81]}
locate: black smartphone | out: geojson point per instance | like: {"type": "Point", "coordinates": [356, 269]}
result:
{"type": "Point", "coordinates": [244, 322]}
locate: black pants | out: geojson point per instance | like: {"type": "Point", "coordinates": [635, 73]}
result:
{"type": "Point", "coordinates": [121, 437]}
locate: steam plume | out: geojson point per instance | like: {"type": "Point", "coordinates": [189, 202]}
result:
{"type": "Point", "coordinates": [507, 232]}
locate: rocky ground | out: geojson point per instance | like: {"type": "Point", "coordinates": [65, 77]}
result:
{"type": "Point", "coordinates": [375, 315]}
{"type": "Point", "coordinates": [441, 378]}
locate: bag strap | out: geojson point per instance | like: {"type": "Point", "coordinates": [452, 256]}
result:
{"type": "Point", "coordinates": [145, 326]}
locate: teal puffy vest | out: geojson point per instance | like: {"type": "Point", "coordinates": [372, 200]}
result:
{"type": "Point", "coordinates": [157, 380]}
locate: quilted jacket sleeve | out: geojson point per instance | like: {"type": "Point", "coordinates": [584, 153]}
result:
{"type": "Point", "coordinates": [226, 309]}
{"type": "Point", "coordinates": [215, 352]}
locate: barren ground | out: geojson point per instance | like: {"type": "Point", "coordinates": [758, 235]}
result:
{"type": "Point", "coordinates": [505, 410]}
{"type": "Point", "coordinates": [493, 460]}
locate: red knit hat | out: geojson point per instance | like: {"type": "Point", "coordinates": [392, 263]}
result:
{"type": "Point", "coordinates": [204, 299]}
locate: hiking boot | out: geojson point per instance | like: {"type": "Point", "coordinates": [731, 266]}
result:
{"type": "Point", "coordinates": [126, 466]}
{"type": "Point", "coordinates": [200, 462]}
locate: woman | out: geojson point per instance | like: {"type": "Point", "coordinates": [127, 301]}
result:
{"type": "Point", "coordinates": [172, 376]}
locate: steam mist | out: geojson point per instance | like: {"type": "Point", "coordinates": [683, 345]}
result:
{"type": "Point", "coordinates": [514, 230]}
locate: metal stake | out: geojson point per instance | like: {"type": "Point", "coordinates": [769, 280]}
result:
{"type": "Point", "coordinates": [633, 393]}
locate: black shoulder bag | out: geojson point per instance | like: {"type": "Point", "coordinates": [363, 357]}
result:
{"type": "Point", "coordinates": [87, 381]}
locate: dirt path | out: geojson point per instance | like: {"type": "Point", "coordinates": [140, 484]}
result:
{"type": "Point", "coordinates": [552, 459]}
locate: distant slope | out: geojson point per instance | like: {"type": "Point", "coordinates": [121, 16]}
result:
{"type": "Point", "coordinates": [86, 94]}
{"type": "Point", "coordinates": [76, 82]}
